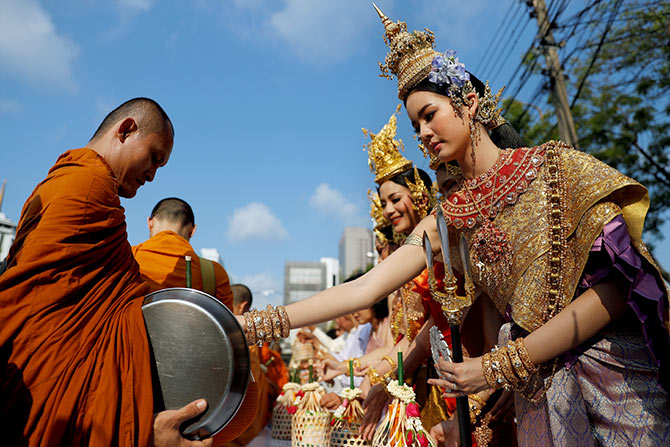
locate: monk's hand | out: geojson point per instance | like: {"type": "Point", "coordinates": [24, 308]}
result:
{"type": "Point", "coordinates": [374, 406]}
{"type": "Point", "coordinates": [167, 423]}
{"type": "Point", "coordinates": [331, 401]}
{"type": "Point", "coordinates": [446, 433]}
{"type": "Point", "coordinates": [461, 378]}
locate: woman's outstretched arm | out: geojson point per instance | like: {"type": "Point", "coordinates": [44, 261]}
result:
{"type": "Point", "coordinates": [403, 265]}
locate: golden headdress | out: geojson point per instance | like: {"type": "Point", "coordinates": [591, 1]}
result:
{"type": "Point", "coordinates": [384, 155]}
{"type": "Point", "coordinates": [377, 211]}
{"type": "Point", "coordinates": [377, 215]}
{"type": "Point", "coordinates": [412, 58]}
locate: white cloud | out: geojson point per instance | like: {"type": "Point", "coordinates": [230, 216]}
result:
{"type": "Point", "coordinates": [9, 107]}
{"type": "Point", "coordinates": [326, 30]}
{"type": "Point", "coordinates": [30, 45]}
{"type": "Point", "coordinates": [255, 221]}
{"type": "Point", "coordinates": [330, 202]}
{"type": "Point", "coordinates": [140, 5]}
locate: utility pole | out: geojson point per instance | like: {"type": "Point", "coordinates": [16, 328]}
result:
{"type": "Point", "coordinates": [566, 126]}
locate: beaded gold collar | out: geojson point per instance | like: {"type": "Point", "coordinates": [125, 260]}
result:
{"type": "Point", "coordinates": [491, 192]}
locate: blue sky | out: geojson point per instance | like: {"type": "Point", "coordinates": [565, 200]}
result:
{"type": "Point", "coordinates": [267, 97]}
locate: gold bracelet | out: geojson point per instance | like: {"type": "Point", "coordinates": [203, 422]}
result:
{"type": "Point", "coordinates": [257, 319]}
{"type": "Point", "coordinates": [276, 322]}
{"type": "Point", "coordinates": [285, 323]}
{"type": "Point", "coordinates": [489, 376]}
{"type": "Point", "coordinates": [390, 375]}
{"type": "Point", "coordinates": [530, 366]}
{"type": "Point", "coordinates": [357, 363]}
{"type": "Point", "coordinates": [496, 369]}
{"type": "Point", "coordinates": [414, 239]}
{"type": "Point", "coordinates": [506, 366]}
{"type": "Point", "coordinates": [374, 376]}
{"type": "Point", "coordinates": [390, 360]}
{"type": "Point", "coordinates": [517, 364]}
{"type": "Point", "coordinates": [251, 328]}
{"type": "Point", "coordinates": [477, 398]}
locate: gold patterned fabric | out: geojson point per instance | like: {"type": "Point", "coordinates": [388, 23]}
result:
{"type": "Point", "coordinates": [595, 192]}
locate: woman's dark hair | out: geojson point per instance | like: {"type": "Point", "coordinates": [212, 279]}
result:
{"type": "Point", "coordinates": [381, 309]}
{"type": "Point", "coordinates": [401, 179]}
{"type": "Point", "coordinates": [387, 231]}
{"type": "Point", "coordinates": [504, 136]}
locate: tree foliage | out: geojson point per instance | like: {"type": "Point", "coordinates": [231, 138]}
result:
{"type": "Point", "coordinates": [619, 83]}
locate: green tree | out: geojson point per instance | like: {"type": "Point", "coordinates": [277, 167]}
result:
{"type": "Point", "coordinates": [619, 80]}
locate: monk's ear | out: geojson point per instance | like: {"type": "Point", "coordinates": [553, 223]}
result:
{"type": "Point", "coordinates": [127, 126]}
{"type": "Point", "coordinates": [150, 223]}
{"type": "Point", "coordinates": [192, 231]}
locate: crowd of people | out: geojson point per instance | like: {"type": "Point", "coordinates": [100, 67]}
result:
{"type": "Point", "coordinates": [566, 341]}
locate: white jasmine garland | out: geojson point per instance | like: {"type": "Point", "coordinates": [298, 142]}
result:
{"type": "Point", "coordinates": [352, 393]}
{"type": "Point", "coordinates": [402, 392]}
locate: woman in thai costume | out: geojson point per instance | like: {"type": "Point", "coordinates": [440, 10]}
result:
{"type": "Point", "coordinates": [555, 242]}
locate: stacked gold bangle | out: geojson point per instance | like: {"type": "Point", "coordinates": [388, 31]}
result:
{"type": "Point", "coordinates": [374, 376]}
{"type": "Point", "coordinates": [390, 360]}
{"type": "Point", "coordinates": [356, 362]}
{"type": "Point", "coordinates": [509, 367]}
{"type": "Point", "coordinates": [266, 325]}
{"type": "Point", "coordinates": [475, 411]}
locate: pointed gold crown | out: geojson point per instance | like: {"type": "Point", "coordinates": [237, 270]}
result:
{"type": "Point", "coordinates": [412, 58]}
{"type": "Point", "coordinates": [410, 54]}
{"type": "Point", "coordinates": [377, 211]}
{"type": "Point", "coordinates": [384, 155]}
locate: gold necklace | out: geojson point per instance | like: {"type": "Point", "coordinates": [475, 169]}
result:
{"type": "Point", "coordinates": [491, 247]}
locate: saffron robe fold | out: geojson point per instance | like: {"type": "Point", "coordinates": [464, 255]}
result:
{"type": "Point", "coordinates": [74, 355]}
{"type": "Point", "coordinates": [161, 260]}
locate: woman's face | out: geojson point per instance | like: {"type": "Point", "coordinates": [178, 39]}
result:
{"type": "Point", "coordinates": [440, 128]}
{"type": "Point", "coordinates": [397, 206]}
{"type": "Point", "coordinates": [364, 316]}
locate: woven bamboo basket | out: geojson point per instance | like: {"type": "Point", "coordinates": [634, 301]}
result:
{"type": "Point", "coordinates": [311, 429]}
{"type": "Point", "coordinates": [281, 423]}
{"type": "Point", "coordinates": [347, 436]}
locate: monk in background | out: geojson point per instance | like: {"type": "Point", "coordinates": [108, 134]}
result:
{"type": "Point", "coordinates": [74, 353]}
{"type": "Point", "coordinates": [162, 263]}
{"type": "Point", "coordinates": [267, 390]}
{"type": "Point", "coordinates": [162, 256]}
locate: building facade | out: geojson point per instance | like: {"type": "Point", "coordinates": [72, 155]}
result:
{"type": "Point", "coordinates": [356, 250]}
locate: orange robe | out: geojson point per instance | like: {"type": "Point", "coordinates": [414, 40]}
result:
{"type": "Point", "coordinates": [161, 260]}
{"type": "Point", "coordinates": [277, 372]}
{"type": "Point", "coordinates": [162, 264]}
{"type": "Point", "coordinates": [74, 354]}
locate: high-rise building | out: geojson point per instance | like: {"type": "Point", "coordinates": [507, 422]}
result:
{"type": "Point", "coordinates": [303, 279]}
{"type": "Point", "coordinates": [356, 250]}
{"type": "Point", "coordinates": [7, 233]}
{"type": "Point", "coordinates": [7, 228]}
{"type": "Point", "coordinates": [332, 271]}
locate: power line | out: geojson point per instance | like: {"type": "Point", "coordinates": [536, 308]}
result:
{"type": "Point", "coordinates": [506, 37]}
{"type": "Point", "coordinates": [494, 39]}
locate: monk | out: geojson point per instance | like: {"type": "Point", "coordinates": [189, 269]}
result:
{"type": "Point", "coordinates": [74, 352]}
{"type": "Point", "coordinates": [161, 257]}
{"type": "Point", "coordinates": [161, 260]}
{"type": "Point", "coordinates": [264, 398]}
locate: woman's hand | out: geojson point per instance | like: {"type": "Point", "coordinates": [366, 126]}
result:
{"type": "Point", "coordinates": [331, 401]}
{"type": "Point", "coordinates": [374, 406]}
{"type": "Point", "coordinates": [166, 426]}
{"type": "Point", "coordinates": [365, 387]}
{"type": "Point", "coordinates": [461, 378]}
{"type": "Point", "coordinates": [329, 369]}
{"type": "Point", "coordinates": [446, 433]}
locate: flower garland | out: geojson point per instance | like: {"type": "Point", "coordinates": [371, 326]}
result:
{"type": "Point", "coordinates": [288, 396]}
{"type": "Point", "coordinates": [350, 410]}
{"type": "Point", "coordinates": [402, 424]}
{"type": "Point", "coordinates": [308, 398]}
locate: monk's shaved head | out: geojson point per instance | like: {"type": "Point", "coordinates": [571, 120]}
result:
{"type": "Point", "coordinates": [148, 114]}
{"type": "Point", "coordinates": [174, 210]}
